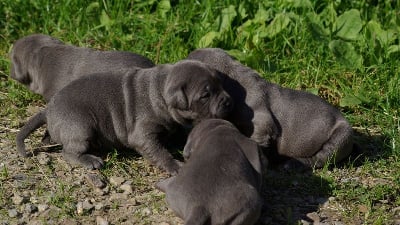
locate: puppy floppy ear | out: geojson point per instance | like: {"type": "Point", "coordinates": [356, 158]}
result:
{"type": "Point", "coordinates": [176, 98]}
{"type": "Point", "coordinates": [252, 152]}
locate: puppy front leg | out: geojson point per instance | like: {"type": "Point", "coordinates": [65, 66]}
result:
{"type": "Point", "coordinates": [146, 142]}
{"type": "Point", "coordinates": [265, 128]}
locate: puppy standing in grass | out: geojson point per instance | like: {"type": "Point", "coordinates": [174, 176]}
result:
{"type": "Point", "coordinates": [130, 110]}
{"type": "Point", "coordinates": [301, 125]}
{"type": "Point", "coordinates": [45, 64]}
{"type": "Point", "coordinates": [221, 179]}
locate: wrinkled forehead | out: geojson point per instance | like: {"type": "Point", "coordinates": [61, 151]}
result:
{"type": "Point", "coordinates": [196, 73]}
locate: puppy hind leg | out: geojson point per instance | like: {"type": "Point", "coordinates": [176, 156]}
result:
{"type": "Point", "coordinates": [75, 153]}
{"type": "Point", "coordinates": [198, 216]}
{"type": "Point", "coordinates": [338, 147]}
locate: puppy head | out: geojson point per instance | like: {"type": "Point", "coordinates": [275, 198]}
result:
{"type": "Point", "coordinates": [193, 91]}
{"type": "Point", "coordinates": [199, 133]}
{"type": "Point", "coordinates": [23, 55]}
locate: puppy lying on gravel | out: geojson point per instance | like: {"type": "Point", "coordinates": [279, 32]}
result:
{"type": "Point", "coordinates": [302, 126]}
{"type": "Point", "coordinates": [45, 64]}
{"type": "Point", "coordinates": [132, 110]}
{"type": "Point", "coordinates": [221, 179]}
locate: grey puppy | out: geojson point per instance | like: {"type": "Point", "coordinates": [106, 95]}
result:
{"type": "Point", "coordinates": [45, 64]}
{"type": "Point", "coordinates": [132, 110]}
{"type": "Point", "coordinates": [221, 179]}
{"type": "Point", "coordinates": [301, 125]}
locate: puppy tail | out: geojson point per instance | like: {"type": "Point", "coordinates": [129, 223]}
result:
{"type": "Point", "coordinates": [31, 125]}
{"type": "Point", "coordinates": [198, 216]}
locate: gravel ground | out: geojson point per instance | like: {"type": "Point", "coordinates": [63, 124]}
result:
{"type": "Point", "coordinates": [44, 189]}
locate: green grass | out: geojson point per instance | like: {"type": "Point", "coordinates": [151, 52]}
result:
{"type": "Point", "coordinates": [298, 44]}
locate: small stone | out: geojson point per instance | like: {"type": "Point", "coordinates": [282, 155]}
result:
{"type": "Point", "coordinates": [18, 200]}
{"type": "Point", "coordinates": [314, 217]}
{"type": "Point", "coordinates": [87, 205]}
{"type": "Point", "coordinates": [12, 213]}
{"type": "Point", "coordinates": [303, 222]}
{"type": "Point", "coordinates": [101, 221]}
{"type": "Point", "coordinates": [127, 188]}
{"type": "Point", "coordinates": [79, 208]}
{"type": "Point", "coordinates": [42, 207]}
{"type": "Point", "coordinates": [363, 208]}
{"type": "Point", "coordinates": [99, 206]}
{"type": "Point", "coordinates": [338, 223]}
{"type": "Point", "coordinates": [164, 223]}
{"type": "Point", "coordinates": [29, 208]}
{"type": "Point", "coordinates": [117, 196]}
{"type": "Point", "coordinates": [116, 181]}
{"type": "Point", "coordinates": [95, 180]}
{"type": "Point", "coordinates": [146, 211]}
{"type": "Point", "coordinates": [43, 159]}
{"type": "Point", "coordinates": [397, 209]}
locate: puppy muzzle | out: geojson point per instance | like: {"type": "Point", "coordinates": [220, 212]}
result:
{"type": "Point", "coordinates": [224, 106]}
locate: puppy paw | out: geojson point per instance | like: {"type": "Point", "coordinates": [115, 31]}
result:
{"type": "Point", "coordinates": [91, 161]}
{"type": "Point", "coordinates": [173, 167]}
{"type": "Point", "coordinates": [294, 165]}
{"type": "Point", "coordinates": [86, 160]}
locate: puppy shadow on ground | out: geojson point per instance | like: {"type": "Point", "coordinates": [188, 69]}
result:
{"type": "Point", "coordinates": [370, 145]}
{"type": "Point", "coordinates": [289, 197]}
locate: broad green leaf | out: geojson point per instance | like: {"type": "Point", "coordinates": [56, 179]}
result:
{"type": "Point", "coordinates": [280, 22]}
{"type": "Point", "coordinates": [242, 11]}
{"type": "Point", "coordinates": [316, 27]}
{"type": "Point", "coordinates": [393, 49]}
{"type": "Point", "coordinates": [261, 16]}
{"type": "Point", "coordinates": [163, 7]}
{"type": "Point", "coordinates": [328, 16]}
{"type": "Point", "coordinates": [349, 25]}
{"type": "Point", "coordinates": [345, 53]}
{"type": "Point", "coordinates": [384, 37]}
{"type": "Point", "coordinates": [207, 40]}
{"type": "Point", "coordinates": [105, 20]}
{"type": "Point", "coordinates": [349, 100]}
{"type": "Point", "coordinates": [297, 3]}
{"type": "Point", "coordinates": [227, 16]}
{"type": "Point", "coordinates": [313, 90]}
{"type": "Point", "coordinates": [92, 6]}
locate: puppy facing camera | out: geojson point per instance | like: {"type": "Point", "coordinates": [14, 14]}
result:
{"type": "Point", "coordinates": [221, 179]}
{"type": "Point", "coordinates": [130, 110]}
{"type": "Point", "coordinates": [292, 123]}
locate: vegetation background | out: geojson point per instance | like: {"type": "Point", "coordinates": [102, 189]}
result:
{"type": "Point", "coordinates": [345, 51]}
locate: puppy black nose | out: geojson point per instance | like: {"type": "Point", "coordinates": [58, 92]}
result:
{"type": "Point", "coordinates": [226, 101]}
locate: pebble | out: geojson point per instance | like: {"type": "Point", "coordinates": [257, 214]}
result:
{"type": "Point", "coordinates": [30, 208]}
{"type": "Point", "coordinates": [18, 200]}
{"type": "Point", "coordinates": [146, 211]}
{"type": "Point", "coordinates": [84, 206]}
{"type": "Point", "coordinates": [117, 196]}
{"type": "Point", "coordinates": [314, 217]}
{"type": "Point", "coordinates": [43, 159]}
{"type": "Point", "coordinates": [127, 188]}
{"type": "Point", "coordinates": [116, 181]}
{"type": "Point", "coordinates": [95, 180]}
{"type": "Point", "coordinates": [12, 213]}
{"type": "Point", "coordinates": [79, 208]}
{"type": "Point", "coordinates": [42, 207]}
{"type": "Point", "coordinates": [101, 221]}
{"type": "Point", "coordinates": [99, 206]}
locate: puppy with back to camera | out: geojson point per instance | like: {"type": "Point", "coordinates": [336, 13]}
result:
{"type": "Point", "coordinates": [221, 179]}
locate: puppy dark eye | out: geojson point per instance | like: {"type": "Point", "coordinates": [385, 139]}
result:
{"type": "Point", "coordinates": [205, 95]}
